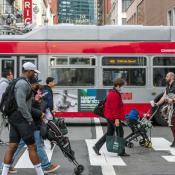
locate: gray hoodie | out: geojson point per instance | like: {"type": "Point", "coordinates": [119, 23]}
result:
{"type": "Point", "coordinates": [22, 92]}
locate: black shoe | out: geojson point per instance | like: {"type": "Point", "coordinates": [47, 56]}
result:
{"type": "Point", "coordinates": [124, 154]}
{"type": "Point", "coordinates": [96, 150]}
{"type": "Point", "coordinates": [173, 144]}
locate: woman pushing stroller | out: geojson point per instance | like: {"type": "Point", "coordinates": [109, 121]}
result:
{"type": "Point", "coordinates": [114, 113]}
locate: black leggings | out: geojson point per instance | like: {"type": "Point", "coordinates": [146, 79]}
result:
{"type": "Point", "coordinates": [111, 128]}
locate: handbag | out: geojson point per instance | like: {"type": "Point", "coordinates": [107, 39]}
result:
{"type": "Point", "coordinates": [99, 109]}
{"type": "Point", "coordinates": [115, 144]}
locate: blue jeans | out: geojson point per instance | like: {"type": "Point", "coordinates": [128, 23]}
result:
{"type": "Point", "coordinates": [41, 152]}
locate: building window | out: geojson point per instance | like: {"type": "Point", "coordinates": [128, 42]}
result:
{"type": "Point", "coordinates": [170, 18]}
{"type": "Point", "coordinates": [124, 21]}
{"type": "Point", "coordinates": [125, 5]}
{"type": "Point", "coordinates": [173, 16]}
{"type": "Point", "coordinates": [140, 13]}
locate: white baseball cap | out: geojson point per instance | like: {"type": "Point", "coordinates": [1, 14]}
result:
{"type": "Point", "coordinates": [30, 66]}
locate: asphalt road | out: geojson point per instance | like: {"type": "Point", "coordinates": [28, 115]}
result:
{"type": "Point", "coordinates": [159, 160]}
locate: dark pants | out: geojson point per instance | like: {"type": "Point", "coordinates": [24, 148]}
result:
{"type": "Point", "coordinates": [173, 123]}
{"type": "Point", "coordinates": [111, 128]}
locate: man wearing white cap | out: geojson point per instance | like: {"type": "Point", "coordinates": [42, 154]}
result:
{"type": "Point", "coordinates": [21, 121]}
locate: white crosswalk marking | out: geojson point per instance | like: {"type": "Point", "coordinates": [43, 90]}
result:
{"type": "Point", "coordinates": [106, 160]}
{"type": "Point", "coordinates": [24, 161]}
{"type": "Point", "coordinates": [161, 144]}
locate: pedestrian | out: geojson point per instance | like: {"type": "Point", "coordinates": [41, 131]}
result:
{"type": "Point", "coordinates": [114, 113]}
{"type": "Point", "coordinates": [7, 76]}
{"type": "Point", "coordinates": [21, 121]}
{"type": "Point", "coordinates": [48, 98]}
{"type": "Point", "coordinates": [37, 114]}
{"type": "Point", "coordinates": [170, 88]}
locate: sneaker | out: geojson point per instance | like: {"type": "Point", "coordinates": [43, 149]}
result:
{"type": "Point", "coordinates": [52, 168]}
{"type": "Point", "coordinates": [12, 170]}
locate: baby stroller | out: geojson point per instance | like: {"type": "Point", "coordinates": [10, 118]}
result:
{"type": "Point", "coordinates": [55, 132]}
{"type": "Point", "coordinates": [140, 129]}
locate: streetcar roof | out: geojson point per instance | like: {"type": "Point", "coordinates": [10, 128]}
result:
{"type": "Point", "coordinates": [97, 33]}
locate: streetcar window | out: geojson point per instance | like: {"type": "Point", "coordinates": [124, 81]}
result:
{"type": "Point", "coordinates": [58, 60]}
{"type": "Point", "coordinates": [28, 60]}
{"type": "Point", "coordinates": [62, 61]}
{"type": "Point", "coordinates": [164, 61]}
{"type": "Point", "coordinates": [161, 66]}
{"type": "Point", "coordinates": [52, 62]}
{"type": "Point", "coordinates": [132, 76]}
{"type": "Point", "coordinates": [73, 76]}
{"type": "Point", "coordinates": [79, 60]}
{"type": "Point", "coordinates": [124, 61]}
{"type": "Point", "coordinates": [93, 62]}
{"type": "Point", "coordinates": [8, 65]}
{"type": "Point", "coordinates": [159, 75]}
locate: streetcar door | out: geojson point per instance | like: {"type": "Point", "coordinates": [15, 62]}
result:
{"type": "Point", "coordinates": [24, 59]}
{"type": "Point", "coordinates": [8, 63]}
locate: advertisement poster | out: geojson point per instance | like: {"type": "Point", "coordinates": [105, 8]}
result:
{"type": "Point", "coordinates": [66, 100]}
{"type": "Point", "coordinates": [82, 100]}
{"type": "Point", "coordinates": [89, 98]}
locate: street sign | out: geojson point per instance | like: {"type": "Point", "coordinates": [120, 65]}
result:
{"type": "Point", "coordinates": [28, 11]}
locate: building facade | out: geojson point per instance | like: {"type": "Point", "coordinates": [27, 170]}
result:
{"type": "Point", "coordinates": [117, 12]}
{"type": "Point", "coordinates": [44, 12]}
{"type": "Point", "coordinates": [6, 9]}
{"type": "Point", "coordinates": [77, 11]}
{"type": "Point", "coordinates": [11, 14]}
{"type": "Point", "coordinates": [151, 12]}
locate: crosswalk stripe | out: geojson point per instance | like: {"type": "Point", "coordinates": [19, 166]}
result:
{"type": "Point", "coordinates": [106, 160]}
{"type": "Point", "coordinates": [24, 161]}
{"type": "Point", "coordinates": [161, 144]}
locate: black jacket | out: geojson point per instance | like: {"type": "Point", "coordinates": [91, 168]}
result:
{"type": "Point", "coordinates": [48, 98]}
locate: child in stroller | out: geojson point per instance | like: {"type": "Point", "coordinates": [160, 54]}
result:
{"type": "Point", "coordinates": [139, 128]}
{"type": "Point", "coordinates": [55, 131]}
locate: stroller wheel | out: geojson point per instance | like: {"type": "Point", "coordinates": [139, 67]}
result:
{"type": "Point", "coordinates": [79, 169]}
{"type": "Point", "coordinates": [142, 142]}
{"type": "Point", "coordinates": [130, 145]}
{"type": "Point", "coordinates": [148, 144]}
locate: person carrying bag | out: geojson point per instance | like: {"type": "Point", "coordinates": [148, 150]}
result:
{"type": "Point", "coordinates": [114, 113]}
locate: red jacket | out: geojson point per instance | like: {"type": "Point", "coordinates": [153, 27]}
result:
{"type": "Point", "coordinates": [113, 108]}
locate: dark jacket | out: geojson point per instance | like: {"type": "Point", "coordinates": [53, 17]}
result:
{"type": "Point", "coordinates": [48, 98]}
{"type": "Point", "coordinates": [37, 110]}
{"type": "Point", "coordinates": [113, 108]}
{"type": "Point", "coordinates": [170, 88]}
